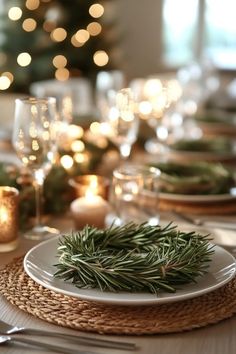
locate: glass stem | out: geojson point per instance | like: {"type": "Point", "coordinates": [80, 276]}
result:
{"type": "Point", "coordinates": [38, 185]}
{"type": "Point", "coordinates": [38, 193]}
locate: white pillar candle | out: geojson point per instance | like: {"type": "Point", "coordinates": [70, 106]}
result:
{"type": "Point", "coordinates": [89, 210]}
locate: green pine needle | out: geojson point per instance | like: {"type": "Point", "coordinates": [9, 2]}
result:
{"type": "Point", "coordinates": [133, 258]}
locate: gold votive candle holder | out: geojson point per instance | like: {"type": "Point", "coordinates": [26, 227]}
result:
{"type": "Point", "coordinates": [9, 228]}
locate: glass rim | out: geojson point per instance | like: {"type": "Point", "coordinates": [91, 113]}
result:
{"type": "Point", "coordinates": [123, 171]}
{"type": "Point", "coordinates": [36, 100]}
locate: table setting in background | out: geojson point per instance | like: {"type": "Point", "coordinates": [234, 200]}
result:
{"type": "Point", "coordinates": [118, 221]}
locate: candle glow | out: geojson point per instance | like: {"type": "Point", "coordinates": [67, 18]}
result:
{"type": "Point", "coordinates": [8, 218]}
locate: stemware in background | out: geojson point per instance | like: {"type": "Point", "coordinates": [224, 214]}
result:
{"type": "Point", "coordinates": [34, 140]}
{"type": "Point", "coordinates": [157, 99]}
{"type": "Point", "coordinates": [119, 120]}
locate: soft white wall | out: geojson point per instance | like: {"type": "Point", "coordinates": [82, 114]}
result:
{"type": "Point", "coordinates": [140, 25]}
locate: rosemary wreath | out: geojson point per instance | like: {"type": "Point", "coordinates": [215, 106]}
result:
{"type": "Point", "coordinates": [133, 258]}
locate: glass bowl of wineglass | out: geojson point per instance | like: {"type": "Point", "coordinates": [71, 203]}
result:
{"type": "Point", "coordinates": [34, 140]}
{"type": "Point", "coordinates": [119, 121]}
{"type": "Point", "coordinates": [157, 105]}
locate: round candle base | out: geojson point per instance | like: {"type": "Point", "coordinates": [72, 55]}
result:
{"type": "Point", "coordinates": [10, 246]}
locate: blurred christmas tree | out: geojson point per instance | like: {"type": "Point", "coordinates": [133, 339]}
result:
{"type": "Point", "coordinates": [43, 39]}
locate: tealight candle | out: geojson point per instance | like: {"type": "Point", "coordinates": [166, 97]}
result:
{"type": "Point", "coordinates": [89, 210]}
{"type": "Point", "coordinates": [8, 218]}
{"type": "Point", "coordinates": [90, 184]}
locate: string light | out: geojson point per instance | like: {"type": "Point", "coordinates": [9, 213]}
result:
{"type": "Point", "coordinates": [59, 61]}
{"type": "Point", "coordinates": [100, 58]}
{"type": "Point", "coordinates": [24, 59]}
{"type": "Point", "coordinates": [82, 36]}
{"type": "Point", "coordinates": [95, 127]}
{"type": "Point", "coordinates": [75, 131]}
{"type": "Point", "coordinates": [9, 75]}
{"type": "Point", "coordinates": [58, 34]}
{"type": "Point", "coordinates": [67, 161]}
{"type": "Point", "coordinates": [96, 10]}
{"type": "Point", "coordinates": [32, 4]}
{"type": "Point", "coordinates": [94, 28]}
{"type": "Point", "coordinates": [77, 146]}
{"type": "Point", "coordinates": [14, 13]}
{"type": "Point", "coordinates": [29, 24]}
{"type": "Point", "coordinates": [75, 43]}
{"type": "Point", "coordinates": [81, 157]}
{"type": "Point", "coordinates": [62, 74]}
{"type": "Point", "coordinates": [4, 82]}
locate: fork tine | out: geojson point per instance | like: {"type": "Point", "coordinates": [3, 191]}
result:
{"type": "Point", "coordinates": [6, 328]}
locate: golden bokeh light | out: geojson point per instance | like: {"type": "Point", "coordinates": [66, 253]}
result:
{"type": "Point", "coordinates": [94, 28]}
{"type": "Point", "coordinates": [4, 82]}
{"type": "Point", "coordinates": [9, 75]}
{"type": "Point", "coordinates": [59, 61]}
{"type": "Point", "coordinates": [96, 10]}
{"type": "Point", "coordinates": [58, 34]}
{"type": "Point", "coordinates": [77, 146]}
{"type": "Point", "coordinates": [67, 161]}
{"type": "Point", "coordinates": [81, 157]}
{"type": "Point", "coordinates": [24, 59]}
{"type": "Point", "coordinates": [100, 58]}
{"type": "Point", "coordinates": [75, 131]}
{"type": "Point", "coordinates": [75, 43]}
{"type": "Point", "coordinates": [62, 74]}
{"type": "Point", "coordinates": [32, 4]}
{"type": "Point", "coordinates": [82, 36]}
{"type": "Point", "coordinates": [14, 13]}
{"type": "Point", "coordinates": [29, 24]}
{"type": "Point", "coordinates": [95, 127]}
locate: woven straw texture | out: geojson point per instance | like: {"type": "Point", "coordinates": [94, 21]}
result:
{"type": "Point", "coordinates": [71, 312]}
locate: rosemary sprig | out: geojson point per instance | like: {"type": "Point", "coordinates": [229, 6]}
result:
{"type": "Point", "coordinates": [133, 258]}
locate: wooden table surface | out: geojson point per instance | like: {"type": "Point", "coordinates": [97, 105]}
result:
{"type": "Point", "coordinates": [214, 339]}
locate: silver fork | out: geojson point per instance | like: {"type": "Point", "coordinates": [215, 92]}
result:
{"type": "Point", "coordinates": [43, 345]}
{"type": "Point", "coordinates": [7, 329]}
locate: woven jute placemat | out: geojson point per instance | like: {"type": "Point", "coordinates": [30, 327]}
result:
{"type": "Point", "coordinates": [71, 312]}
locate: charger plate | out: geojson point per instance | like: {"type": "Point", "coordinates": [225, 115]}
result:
{"type": "Point", "coordinates": [22, 291]}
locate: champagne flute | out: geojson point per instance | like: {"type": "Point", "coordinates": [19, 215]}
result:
{"type": "Point", "coordinates": [34, 140]}
{"type": "Point", "coordinates": [119, 120]}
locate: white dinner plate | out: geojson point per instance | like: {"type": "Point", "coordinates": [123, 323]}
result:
{"type": "Point", "coordinates": [39, 265]}
{"type": "Point", "coordinates": [200, 198]}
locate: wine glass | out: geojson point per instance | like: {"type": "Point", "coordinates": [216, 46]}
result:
{"type": "Point", "coordinates": [157, 106]}
{"type": "Point", "coordinates": [34, 140]}
{"type": "Point", "coordinates": [119, 120]}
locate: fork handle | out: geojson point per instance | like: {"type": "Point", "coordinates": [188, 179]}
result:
{"type": "Point", "coordinates": [83, 340]}
{"type": "Point", "coordinates": [48, 346]}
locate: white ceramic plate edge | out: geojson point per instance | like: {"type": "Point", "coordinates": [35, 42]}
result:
{"type": "Point", "coordinates": [129, 299]}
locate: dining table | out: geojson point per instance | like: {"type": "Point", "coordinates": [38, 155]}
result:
{"type": "Point", "coordinates": [215, 338]}
{"type": "Point", "coordinates": [211, 339]}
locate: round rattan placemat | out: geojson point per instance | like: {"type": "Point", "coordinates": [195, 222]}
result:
{"type": "Point", "coordinates": [71, 312]}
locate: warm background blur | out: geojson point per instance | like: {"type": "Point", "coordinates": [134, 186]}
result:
{"type": "Point", "coordinates": [43, 39]}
